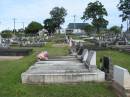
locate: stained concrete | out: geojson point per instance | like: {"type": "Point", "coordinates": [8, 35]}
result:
{"type": "Point", "coordinates": [60, 72]}
{"type": "Point", "coordinates": [65, 69]}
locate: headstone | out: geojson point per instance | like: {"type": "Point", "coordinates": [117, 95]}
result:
{"type": "Point", "coordinates": [121, 76]}
{"type": "Point", "coordinates": [107, 67]}
{"type": "Point", "coordinates": [85, 56]}
{"type": "Point", "coordinates": [91, 60]}
{"type": "Point", "coordinates": [121, 81]}
{"type": "Point", "coordinates": [106, 63]}
{"type": "Point", "coordinates": [81, 48]}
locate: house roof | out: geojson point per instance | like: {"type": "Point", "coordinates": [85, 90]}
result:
{"type": "Point", "coordinates": [77, 25]}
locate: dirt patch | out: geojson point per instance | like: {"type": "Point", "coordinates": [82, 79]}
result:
{"type": "Point", "coordinates": [2, 58]}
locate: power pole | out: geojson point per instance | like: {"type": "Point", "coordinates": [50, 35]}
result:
{"type": "Point", "coordinates": [74, 21]}
{"type": "Point", "coordinates": [23, 25]}
{"type": "Point", "coordinates": [14, 20]}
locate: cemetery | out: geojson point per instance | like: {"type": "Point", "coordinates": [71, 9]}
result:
{"type": "Point", "coordinates": [58, 52]}
{"type": "Point", "coordinates": [75, 61]}
{"type": "Point", "coordinates": [9, 53]}
{"type": "Point", "coordinates": [32, 42]}
{"type": "Point", "coordinates": [61, 68]}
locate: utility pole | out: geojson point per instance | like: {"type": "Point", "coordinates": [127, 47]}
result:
{"type": "Point", "coordinates": [23, 25]}
{"type": "Point", "coordinates": [74, 21]}
{"type": "Point", "coordinates": [14, 20]}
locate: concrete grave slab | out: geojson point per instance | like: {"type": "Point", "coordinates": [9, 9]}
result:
{"type": "Point", "coordinates": [65, 72]}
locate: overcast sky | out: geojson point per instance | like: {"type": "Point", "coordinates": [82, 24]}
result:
{"type": "Point", "coordinates": [38, 10]}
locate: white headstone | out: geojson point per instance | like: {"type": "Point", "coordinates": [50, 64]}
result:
{"type": "Point", "coordinates": [121, 76]}
{"type": "Point", "coordinates": [93, 59]}
{"type": "Point", "coordinates": [85, 56]}
{"type": "Point", "coordinates": [84, 52]}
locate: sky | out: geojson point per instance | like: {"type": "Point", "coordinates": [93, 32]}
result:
{"type": "Point", "coordinates": [38, 10]}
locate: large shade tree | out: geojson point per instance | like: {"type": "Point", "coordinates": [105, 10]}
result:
{"type": "Point", "coordinates": [33, 28]}
{"type": "Point", "coordinates": [96, 12]}
{"type": "Point", "coordinates": [50, 26]}
{"type": "Point", "coordinates": [58, 16]}
{"type": "Point", "coordinates": [56, 20]}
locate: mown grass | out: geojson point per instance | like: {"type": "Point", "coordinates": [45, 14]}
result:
{"type": "Point", "coordinates": [11, 86]}
{"type": "Point", "coordinates": [118, 58]}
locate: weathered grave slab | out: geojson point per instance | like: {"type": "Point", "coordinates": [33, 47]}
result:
{"type": "Point", "coordinates": [63, 72]}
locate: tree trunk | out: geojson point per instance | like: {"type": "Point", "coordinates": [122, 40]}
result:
{"type": "Point", "coordinates": [98, 30]}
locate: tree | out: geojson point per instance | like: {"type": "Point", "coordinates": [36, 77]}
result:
{"type": "Point", "coordinates": [115, 29]}
{"type": "Point", "coordinates": [57, 19]}
{"type": "Point", "coordinates": [58, 16]}
{"type": "Point", "coordinates": [6, 33]}
{"type": "Point", "coordinates": [124, 6]}
{"type": "Point", "coordinates": [50, 26]}
{"type": "Point", "coordinates": [20, 32]}
{"type": "Point", "coordinates": [89, 29]}
{"type": "Point", "coordinates": [96, 12]}
{"type": "Point", "coordinates": [33, 28]}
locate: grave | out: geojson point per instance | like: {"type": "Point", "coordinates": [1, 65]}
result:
{"type": "Point", "coordinates": [15, 52]}
{"type": "Point", "coordinates": [8, 53]}
{"type": "Point", "coordinates": [121, 81]}
{"type": "Point", "coordinates": [3, 45]}
{"type": "Point", "coordinates": [44, 72]}
{"type": "Point", "coordinates": [107, 67]}
{"type": "Point", "coordinates": [69, 57]}
{"type": "Point", "coordinates": [91, 61]}
{"type": "Point", "coordinates": [32, 42]}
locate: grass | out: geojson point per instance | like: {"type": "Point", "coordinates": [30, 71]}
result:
{"type": "Point", "coordinates": [118, 58]}
{"type": "Point", "coordinates": [11, 86]}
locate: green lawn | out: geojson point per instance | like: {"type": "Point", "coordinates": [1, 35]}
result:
{"type": "Point", "coordinates": [118, 58]}
{"type": "Point", "coordinates": [10, 81]}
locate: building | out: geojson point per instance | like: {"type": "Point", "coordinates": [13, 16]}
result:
{"type": "Point", "coordinates": [42, 32]}
{"type": "Point", "coordinates": [76, 28]}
